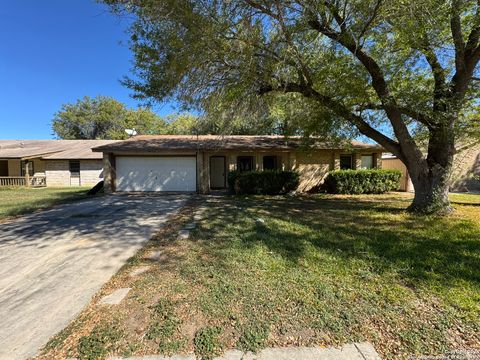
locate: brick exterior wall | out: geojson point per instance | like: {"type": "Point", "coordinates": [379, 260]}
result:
{"type": "Point", "coordinates": [58, 173]}
{"type": "Point", "coordinates": [91, 172]}
{"type": "Point", "coordinates": [312, 167]}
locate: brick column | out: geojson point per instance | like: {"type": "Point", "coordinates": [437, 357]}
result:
{"type": "Point", "coordinates": [336, 160]}
{"type": "Point", "coordinates": [377, 160]}
{"type": "Point", "coordinates": [203, 167]}
{"type": "Point", "coordinates": [108, 173]}
{"type": "Point", "coordinates": [231, 162]}
{"type": "Point", "coordinates": [357, 161]}
{"type": "Point", "coordinates": [258, 161]}
{"type": "Point", "coordinates": [292, 161]}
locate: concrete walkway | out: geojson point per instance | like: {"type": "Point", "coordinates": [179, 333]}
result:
{"type": "Point", "coordinates": [355, 351]}
{"type": "Point", "coordinates": [54, 261]}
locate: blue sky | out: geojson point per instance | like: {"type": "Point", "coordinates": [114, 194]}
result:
{"type": "Point", "coordinates": [56, 51]}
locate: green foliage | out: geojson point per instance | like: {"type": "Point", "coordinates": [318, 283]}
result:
{"type": "Point", "coordinates": [362, 181]}
{"type": "Point", "coordinates": [100, 341]}
{"type": "Point", "coordinates": [207, 343]}
{"type": "Point", "coordinates": [164, 308]}
{"type": "Point", "coordinates": [293, 114]}
{"type": "Point", "coordinates": [224, 56]}
{"type": "Point", "coordinates": [185, 124]}
{"type": "Point", "coordinates": [103, 118]}
{"type": "Point", "coordinates": [267, 182]}
{"type": "Point", "coordinates": [164, 326]}
{"type": "Point", "coordinates": [254, 337]}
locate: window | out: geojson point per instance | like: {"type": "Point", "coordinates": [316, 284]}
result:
{"type": "Point", "coordinates": [346, 162]}
{"type": "Point", "coordinates": [30, 168]}
{"type": "Point", "coordinates": [270, 162]}
{"type": "Point", "coordinates": [3, 167]}
{"type": "Point", "coordinates": [367, 162]}
{"type": "Point", "coordinates": [74, 166]}
{"type": "Point", "coordinates": [245, 163]}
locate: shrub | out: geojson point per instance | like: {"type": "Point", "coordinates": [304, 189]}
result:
{"type": "Point", "coordinates": [362, 181]}
{"type": "Point", "coordinates": [268, 182]}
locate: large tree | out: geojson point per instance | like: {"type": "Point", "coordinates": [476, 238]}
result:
{"type": "Point", "coordinates": [388, 68]}
{"type": "Point", "coordinates": [103, 117]}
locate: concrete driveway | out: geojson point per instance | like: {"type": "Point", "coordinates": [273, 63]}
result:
{"type": "Point", "coordinates": [53, 262]}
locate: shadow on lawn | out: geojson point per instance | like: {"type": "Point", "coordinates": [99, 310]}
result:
{"type": "Point", "coordinates": [418, 249]}
{"type": "Point", "coordinates": [44, 202]}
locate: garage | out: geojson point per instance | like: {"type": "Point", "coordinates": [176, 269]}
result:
{"type": "Point", "coordinates": [156, 173]}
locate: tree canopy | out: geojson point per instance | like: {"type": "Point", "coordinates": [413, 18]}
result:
{"type": "Point", "coordinates": [103, 117]}
{"type": "Point", "coordinates": [387, 69]}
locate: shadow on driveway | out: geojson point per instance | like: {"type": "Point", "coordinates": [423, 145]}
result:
{"type": "Point", "coordinates": [53, 262]}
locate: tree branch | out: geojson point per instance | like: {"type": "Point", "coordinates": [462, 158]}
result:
{"type": "Point", "coordinates": [456, 29]}
{"type": "Point", "coordinates": [369, 22]}
{"type": "Point", "coordinates": [340, 110]}
{"type": "Point", "coordinates": [473, 38]}
{"type": "Point", "coordinates": [378, 80]}
{"type": "Point", "coordinates": [467, 55]}
{"type": "Point", "coordinates": [438, 71]}
{"type": "Point", "coordinates": [416, 115]}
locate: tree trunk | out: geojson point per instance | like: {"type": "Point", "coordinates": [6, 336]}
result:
{"type": "Point", "coordinates": [431, 176]}
{"type": "Point", "coordinates": [431, 192]}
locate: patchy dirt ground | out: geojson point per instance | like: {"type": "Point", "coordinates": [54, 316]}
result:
{"type": "Point", "coordinates": [278, 271]}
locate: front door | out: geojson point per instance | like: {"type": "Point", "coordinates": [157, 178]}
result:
{"type": "Point", "coordinates": [217, 172]}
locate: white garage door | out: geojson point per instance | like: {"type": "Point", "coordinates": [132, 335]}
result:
{"type": "Point", "coordinates": [137, 173]}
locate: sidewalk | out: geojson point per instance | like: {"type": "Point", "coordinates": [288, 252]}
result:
{"type": "Point", "coordinates": [355, 351]}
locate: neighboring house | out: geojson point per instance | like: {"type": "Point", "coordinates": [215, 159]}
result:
{"type": "Point", "coordinates": [201, 163]}
{"type": "Point", "coordinates": [50, 162]}
{"type": "Point", "coordinates": [390, 161]}
{"type": "Point", "coordinates": [466, 165]}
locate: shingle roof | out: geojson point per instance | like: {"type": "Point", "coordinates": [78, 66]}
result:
{"type": "Point", "coordinates": [154, 143]}
{"type": "Point", "coordinates": [51, 149]}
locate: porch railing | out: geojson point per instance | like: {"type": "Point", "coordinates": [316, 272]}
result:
{"type": "Point", "coordinates": [34, 181]}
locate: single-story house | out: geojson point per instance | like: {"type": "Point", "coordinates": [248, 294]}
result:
{"type": "Point", "coordinates": [60, 163]}
{"type": "Point", "coordinates": [202, 163]}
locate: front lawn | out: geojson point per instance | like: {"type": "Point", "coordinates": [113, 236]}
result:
{"type": "Point", "coordinates": [280, 271]}
{"type": "Point", "coordinates": [20, 200]}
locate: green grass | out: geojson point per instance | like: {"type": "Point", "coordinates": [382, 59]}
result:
{"type": "Point", "coordinates": [164, 327]}
{"type": "Point", "coordinates": [207, 344]}
{"type": "Point", "coordinates": [97, 344]}
{"type": "Point", "coordinates": [458, 198]}
{"type": "Point", "coordinates": [18, 201]}
{"type": "Point", "coordinates": [314, 270]}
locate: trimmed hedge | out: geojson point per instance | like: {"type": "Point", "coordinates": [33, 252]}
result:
{"type": "Point", "coordinates": [267, 182]}
{"type": "Point", "coordinates": [362, 181]}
